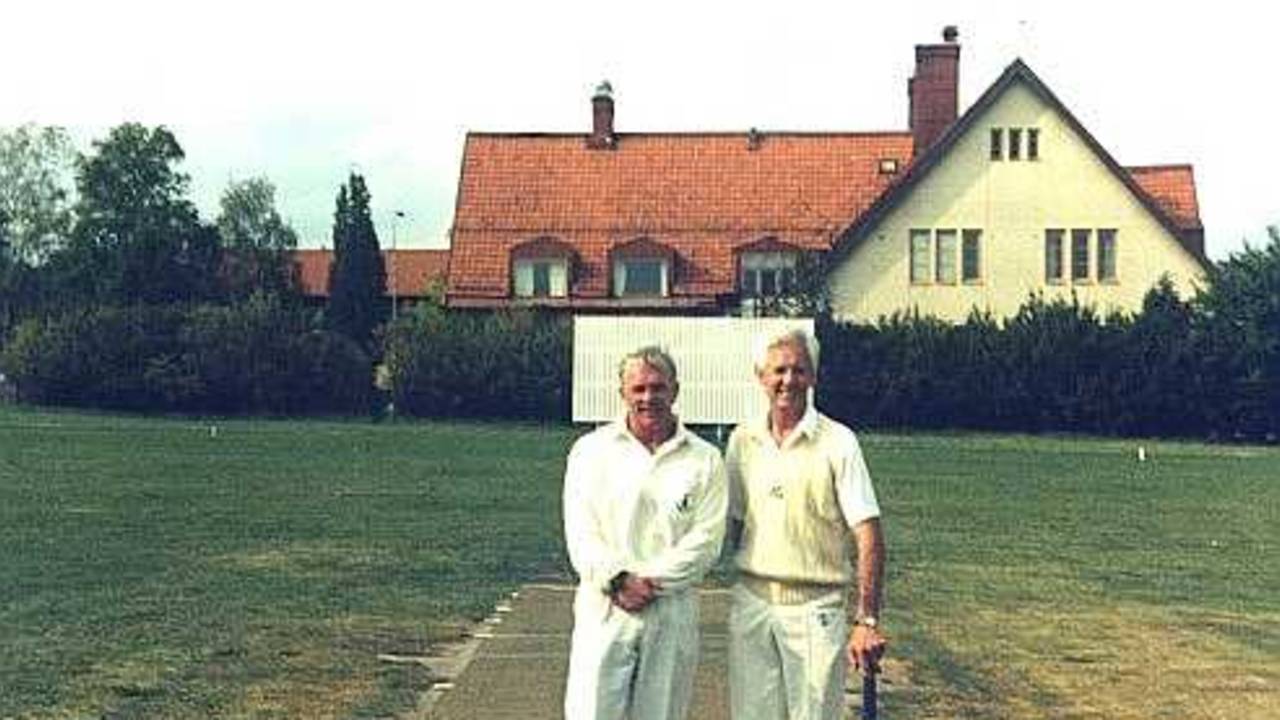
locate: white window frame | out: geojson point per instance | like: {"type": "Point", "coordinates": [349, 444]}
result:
{"type": "Point", "coordinates": [1081, 256]}
{"type": "Point", "coordinates": [781, 265]}
{"type": "Point", "coordinates": [523, 271]}
{"type": "Point", "coordinates": [920, 256]}
{"type": "Point", "coordinates": [1106, 255]}
{"type": "Point", "coordinates": [1054, 242]}
{"type": "Point", "coordinates": [620, 275]}
{"type": "Point", "coordinates": [947, 242]}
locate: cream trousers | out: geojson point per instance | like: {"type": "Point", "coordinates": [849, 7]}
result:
{"type": "Point", "coordinates": [787, 662]}
{"type": "Point", "coordinates": [625, 666]}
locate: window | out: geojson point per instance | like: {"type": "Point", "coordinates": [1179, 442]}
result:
{"type": "Point", "coordinates": [542, 277]}
{"type": "Point", "coordinates": [1107, 255]}
{"type": "Point", "coordinates": [1033, 143]}
{"type": "Point", "coordinates": [1080, 255]}
{"type": "Point", "coordinates": [920, 256]}
{"type": "Point", "coordinates": [1053, 255]}
{"type": "Point", "coordinates": [971, 255]}
{"type": "Point", "coordinates": [640, 277]}
{"type": "Point", "coordinates": [768, 274]}
{"type": "Point", "coordinates": [945, 271]}
{"type": "Point", "coordinates": [1015, 143]}
{"type": "Point", "coordinates": [997, 143]}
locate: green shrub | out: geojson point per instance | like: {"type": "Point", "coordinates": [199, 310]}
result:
{"type": "Point", "coordinates": [258, 357]}
{"type": "Point", "coordinates": [460, 364]}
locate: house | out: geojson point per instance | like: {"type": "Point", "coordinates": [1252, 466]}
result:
{"type": "Point", "coordinates": [411, 274]}
{"type": "Point", "coordinates": [953, 213]}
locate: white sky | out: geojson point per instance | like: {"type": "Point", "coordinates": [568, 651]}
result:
{"type": "Point", "coordinates": [303, 92]}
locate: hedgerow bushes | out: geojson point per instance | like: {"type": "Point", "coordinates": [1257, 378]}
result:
{"type": "Point", "coordinates": [260, 356]}
{"type": "Point", "coordinates": [1054, 366]}
{"type": "Point", "coordinates": [1208, 367]}
{"type": "Point", "coordinates": [510, 364]}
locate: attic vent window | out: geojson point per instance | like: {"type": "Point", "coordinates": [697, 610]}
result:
{"type": "Point", "coordinates": [888, 166]}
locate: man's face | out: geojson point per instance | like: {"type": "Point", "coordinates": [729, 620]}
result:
{"type": "Point", "coordinates": [648, 393]}
{"type": "Point", "coordinates": [787, 376]}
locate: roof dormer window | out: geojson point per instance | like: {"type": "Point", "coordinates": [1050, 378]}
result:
{"type": "Point", "coordinates": [541, 277]}
{"type": "Point", "coordinates": [768, 274]}
{"type": "Point", "coordinates": [541, 268]}
{"type": "Point", "coordinates": [640, 277]}
{"type": "Point", "coordinates": [642, 268]}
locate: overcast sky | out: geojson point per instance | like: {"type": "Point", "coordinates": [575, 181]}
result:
{"type": "Point", "coordinates": [304, 92]}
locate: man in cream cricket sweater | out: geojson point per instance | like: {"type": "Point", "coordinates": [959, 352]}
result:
{"type": "Point", "coordinates": [644, 518]}
{"type": "Point", "coordinates": [799, 491]}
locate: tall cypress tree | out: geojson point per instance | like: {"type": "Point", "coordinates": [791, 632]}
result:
{"type": "Point", "coordinates": [357, 277]}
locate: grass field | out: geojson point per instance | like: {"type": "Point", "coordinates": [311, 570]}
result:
{"type": "Point", "coordinates": [155, 568]}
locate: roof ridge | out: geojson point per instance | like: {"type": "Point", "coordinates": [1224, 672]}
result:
{"type": "Point", "coordinates": [696, 133]}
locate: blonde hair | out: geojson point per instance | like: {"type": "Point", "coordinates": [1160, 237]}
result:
{"type": "Point", "coordinates": [653, 356]}
{"type": "Point", "coordinates": [793, 336]}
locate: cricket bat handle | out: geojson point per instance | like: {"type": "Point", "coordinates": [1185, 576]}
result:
{"type": "Point", "coordinates": [870, 701]}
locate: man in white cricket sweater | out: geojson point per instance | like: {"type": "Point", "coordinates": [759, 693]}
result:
{"type": "Point", "coordinates": [799, 492]}
{"type": "Point", "coordinates": [644, 518]}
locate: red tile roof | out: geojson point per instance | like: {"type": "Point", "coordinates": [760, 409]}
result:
{"type": "Point", "coordinates": [704, 195]}
{"type": "Point", "coordinates": [1173, 187]}
{"type": "Point", "coordinates": [409, 272]}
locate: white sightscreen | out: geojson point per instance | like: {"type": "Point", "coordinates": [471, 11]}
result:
{"type": "Point", "coordinates": [712, 355]}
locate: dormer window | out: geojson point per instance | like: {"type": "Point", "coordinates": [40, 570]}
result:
{"type": "Point", "coordinates": [642, 268]}
{"type": "Point", "coordinates": [541, 268]}
{"type": "Point", "coordinates": [645, 277]}
{"type": "Point", "coordinates": [541, 277]}
{"type": "Point", "coordinates": [768, 274]}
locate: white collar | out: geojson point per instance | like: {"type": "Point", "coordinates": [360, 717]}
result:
{"type": "Point", "coordinates": [807, 427]}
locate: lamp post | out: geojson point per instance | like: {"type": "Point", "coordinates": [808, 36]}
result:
{"type": "Point", "coordinates": [395, 220]}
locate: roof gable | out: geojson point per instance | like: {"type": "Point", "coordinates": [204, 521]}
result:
{"type": "Point", "coordinates": [1167, 192]}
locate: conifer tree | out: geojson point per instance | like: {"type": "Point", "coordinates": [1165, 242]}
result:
{"type": "Point", "coordinates": [357, 276]}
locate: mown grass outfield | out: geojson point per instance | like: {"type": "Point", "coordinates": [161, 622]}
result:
{"type": "Point", "coordinates": [153, 568]}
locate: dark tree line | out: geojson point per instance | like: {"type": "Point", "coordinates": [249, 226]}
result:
{"type": "Point", "coordinates": [115, 293]}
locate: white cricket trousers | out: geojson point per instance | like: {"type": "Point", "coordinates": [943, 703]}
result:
{"type": "Point", "coordinates": [787, 662]}
{"type": "Point", "coordinates": [625, 666]}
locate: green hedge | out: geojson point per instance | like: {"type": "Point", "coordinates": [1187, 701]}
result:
{"type": "Point", "coordinates": [1054, 366]}
{"type": "Point", "coordinates": [509, 364]}
{"type": "Point", "coordinates": [259, 356]}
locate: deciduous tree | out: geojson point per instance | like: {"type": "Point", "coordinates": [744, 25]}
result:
{"type": "Point", "coordinates": [36, 190]}
{"type": "Point", "coordinates": [257, 243]}
{"type": "Point", "coordinates": [137, 237]}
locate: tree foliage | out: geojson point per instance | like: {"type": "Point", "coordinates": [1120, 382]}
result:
{"type": "Point", "coordinates": [36, 190]}
{"type": "Point", "coordinates": [1238, 328]}
{"type": "Point", "coordinates": [259, 356]}
{"type": "Point", "coordinates": [257, 244]}
{"type": "Point", "coordinates": [358, 276]}
{"type": "Point", "coordinates": [137, 237]}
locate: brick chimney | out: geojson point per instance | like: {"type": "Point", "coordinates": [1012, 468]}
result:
{"type": "Point", "coordinates": [933, 90]}
{"type": "Point", "coordinates": [602, 137]}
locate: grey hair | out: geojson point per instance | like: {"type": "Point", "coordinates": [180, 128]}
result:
{"type": "Point", "coordinates": [653, 356]}
{"type": "Point", "coordinates": [794, 336]}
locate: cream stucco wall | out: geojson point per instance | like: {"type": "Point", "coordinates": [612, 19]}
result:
{"type": "Point", "coordinates": [1012, 203]}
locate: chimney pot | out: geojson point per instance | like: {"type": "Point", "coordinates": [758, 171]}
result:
{"type": "Point", "coordinates": [602, 135]}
